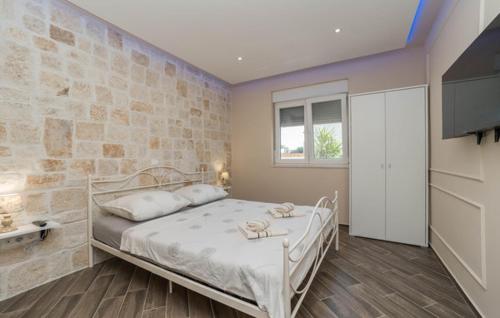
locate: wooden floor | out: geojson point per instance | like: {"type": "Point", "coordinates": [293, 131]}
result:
{"type": "Point", "coordinates": [367, 278]}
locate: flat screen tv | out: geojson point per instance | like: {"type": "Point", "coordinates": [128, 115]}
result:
{"type": "Point", "coordinates": [471, 88]}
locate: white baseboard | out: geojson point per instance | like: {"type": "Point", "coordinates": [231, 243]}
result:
{"type": "Point", "coordinates": [476, 307]}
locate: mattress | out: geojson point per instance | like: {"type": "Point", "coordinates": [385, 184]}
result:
{"type": "Point", "coordinates": [205, 243]}
{"type": "Point", "coordinates": [108, 229]}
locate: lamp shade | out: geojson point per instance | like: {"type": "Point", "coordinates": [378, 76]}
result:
{"type": "Point", "coordinates": [224, 175]}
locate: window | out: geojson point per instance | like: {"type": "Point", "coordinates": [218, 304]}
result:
{"type": "Point", "coordinates": [292, 133]}
{"type": "Point", "coordinates": [311, 131]}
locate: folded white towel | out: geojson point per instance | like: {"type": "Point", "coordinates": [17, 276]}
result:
{"type": "Point", "coordinates": [257, 225]}
{"type": "Point", "coordinates": [268, 232]}
{"type": "Point", "coordinates": [285, 210]}
{"type": "Point", "coordinates": [287, 206]}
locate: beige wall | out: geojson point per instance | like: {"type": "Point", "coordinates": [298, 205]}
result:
{"type": "Point", "coordinates": [79, 97]}
{"type": "Point", "coordinates": [465, 177]}
{"type": "Point", "coordinates": [254, 176]}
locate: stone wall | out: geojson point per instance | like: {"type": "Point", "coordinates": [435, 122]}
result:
{"type": "Point", "coordinates": [79, 97]}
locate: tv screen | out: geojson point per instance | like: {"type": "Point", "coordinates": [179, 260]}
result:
{"type": "Point", "coordinates": [471, 87]}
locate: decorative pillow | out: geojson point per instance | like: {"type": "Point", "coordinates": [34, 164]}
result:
{"type": "Point", "coordinates": [201, 193]}
{"type": "Point", "coordinates": [146, 205]}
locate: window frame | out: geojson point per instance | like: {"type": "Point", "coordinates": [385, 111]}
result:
{"type": "Point", "coordinates": [309, 160]}
{"type": "Point", "coordinates": [277, 124]}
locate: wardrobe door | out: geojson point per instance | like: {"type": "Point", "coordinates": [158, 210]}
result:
{"type": "Point", "coordinates": [406, 162]}
{"type": "Point", "coordinates": [368, 165]}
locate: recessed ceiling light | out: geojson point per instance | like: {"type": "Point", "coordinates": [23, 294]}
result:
{"type": "Point", "coordinates": [337, 30]}
{"type": "Point", "coordinates": [240, 58]}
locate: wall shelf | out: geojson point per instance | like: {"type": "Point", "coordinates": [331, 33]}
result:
{"type": "Point", "coordinates": [28, 229]}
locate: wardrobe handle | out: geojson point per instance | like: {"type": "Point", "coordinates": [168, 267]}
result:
{"type": "Point", "coordinates": [381, 166]}
{"type": "Point", "coordinates": [389, 166]}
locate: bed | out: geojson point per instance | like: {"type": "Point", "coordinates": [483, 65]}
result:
{"type": "Point", "coordinates": [201, 248]}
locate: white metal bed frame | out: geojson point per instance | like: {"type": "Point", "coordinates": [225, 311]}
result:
{"type": "Point", "coordinates": [161, 176]}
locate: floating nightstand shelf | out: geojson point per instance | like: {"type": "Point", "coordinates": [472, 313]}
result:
{"type": "Point", "coordinates": [30, 228]}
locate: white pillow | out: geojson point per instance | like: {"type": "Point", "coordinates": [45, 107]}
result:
{"type": "Point", "coordinates": [201, 193]}
{"type": "Point", "coordinates": [146, 205]}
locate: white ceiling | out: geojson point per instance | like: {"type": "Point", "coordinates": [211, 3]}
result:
{"type": "Point", "coordinates": [272, 36]}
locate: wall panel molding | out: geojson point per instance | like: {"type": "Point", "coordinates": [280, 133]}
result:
{"type": "Point", "coordinates": [480, 279]}
{"type": "Point", "coordinates": [441, 258]}
{"type": "Point", "coordinates": [479, 178]}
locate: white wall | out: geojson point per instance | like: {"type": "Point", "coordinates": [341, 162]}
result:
{"type": "Point", "coordinates": [465, 177]}
{"type": "Point", "coordinates": [255, 177]}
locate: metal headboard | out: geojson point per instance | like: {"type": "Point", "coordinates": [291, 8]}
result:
{"type": "Point", "coordinates": [161, 176]}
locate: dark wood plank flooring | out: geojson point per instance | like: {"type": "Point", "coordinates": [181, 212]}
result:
{"type": "Point", "coordinates": [366, 278]}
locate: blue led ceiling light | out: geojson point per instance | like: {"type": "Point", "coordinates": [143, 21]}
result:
{"type": "Point", "coordinates": [416, 18]}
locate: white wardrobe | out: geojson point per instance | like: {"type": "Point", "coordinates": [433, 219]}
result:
{"type": "Point", "coordinates": [388, 165]}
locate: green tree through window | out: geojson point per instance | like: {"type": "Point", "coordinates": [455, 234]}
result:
{"type": "Point", "coordinates": [325, 145]}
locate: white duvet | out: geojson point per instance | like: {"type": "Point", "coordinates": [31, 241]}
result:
{"type": "Point", "coordinates": [205, 243]}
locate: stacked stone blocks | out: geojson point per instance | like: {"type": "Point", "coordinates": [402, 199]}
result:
{"type": "Point", "coordinates": [80, 97]}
